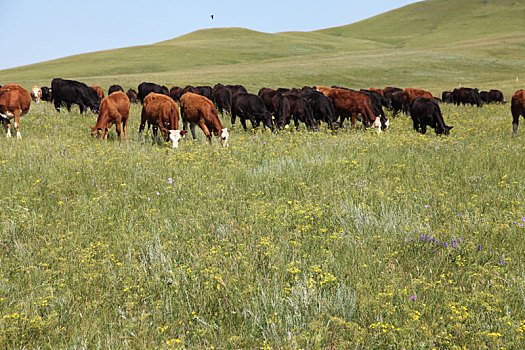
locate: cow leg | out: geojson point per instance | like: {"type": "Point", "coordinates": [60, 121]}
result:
{"type": "Point", "coordinates": [57, 105]}
{"type": "Point", "coordinates": [17, 123]}
{"type": "Point", "coordinates": [192, 128]}
{"type": "Point", "coordinates": [68, 105]}
{"type": "Point", "coordinates": [243, 123]}
{"type": "Point", "coordinates": [125, 127]}
{"type": "Point", "coordinates": [423, 129]}
{"type": "Point", "coordinates": [142, 123]}
{"type": "Point", "coordinates": [233, 118]}
{"type": "Point", "coordinates": [8, 127]}
{"type": "Point", "coordinates": [204, 128]}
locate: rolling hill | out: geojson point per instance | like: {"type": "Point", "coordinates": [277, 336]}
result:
{"type": "Point", "coordinates": [434, 44]}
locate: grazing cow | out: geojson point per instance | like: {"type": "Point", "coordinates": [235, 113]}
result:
{"type": "Point", "coordinates": [36, 94]}
{"type": "Point", "coordinates": [74, 92]}
{"type": "Point", "coordinates": [114, 109]}
{"type": "Point", "coordinates": [132, 96]}
{"type": "Point", "coordinates": [517, 108]}
{"type": "Point", "coordinates": [349, 104]}
{"type": "Point", "coordinates": [205, 91]}
{"type": "Point", "coordinates": [466, 95]}
{"type": "Point", "coordinates": [495, 96]}
{"type": "Point", "coordinates": [222, 97]}
{"type": "Point", "coordinates": [378, 102]}
{"type": "Point", "coordinates": [395, 96]}
{"type": "Point", "coordinates": [250, 106]}
{"type": "Point", "coordinates": [409, 94]}
{"type": "Point", "coordinates": [176, 93]}
{"type": "Point", "coordinates": [199, 110]}
{"type": "Point", "coordinates": [277, 105]}
{"type": "Point", "coordinates": [100, 92]}
{"type": "Point", "coordinates": [146, 88]}
{"type": "Point", "coordinates": [114, 88]}
{"type": "Point", "coordinates": [46, 94]}
{"type": "Point", "coordinates": [322, 107]}
{"type": "Point", "coordinates": [161, 111]}
{"type": "Point", "coordinates": [447, 97]}
{"type": "Point", "coordinates": [236, 88]}
{"type": "Point", "coordinates": [14, 102]}
{"type": "Point", "coordinates": [426, 112]}
{"type": "Point", "coordinates": [301, 110]}
{"type": "Point", "coordinates": [484, 96]}
{"type": "Point", "coordinates": [190, 88]}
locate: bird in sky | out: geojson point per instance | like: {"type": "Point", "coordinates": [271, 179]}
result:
{"type": "Point", "coordinates": [211, 16]}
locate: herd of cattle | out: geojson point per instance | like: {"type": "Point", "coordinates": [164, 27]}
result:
{"type": "Point", "coordinates": [199, 105]}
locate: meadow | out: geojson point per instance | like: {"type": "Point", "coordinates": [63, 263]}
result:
{"type": "Point", "coordinates": [344, 239]}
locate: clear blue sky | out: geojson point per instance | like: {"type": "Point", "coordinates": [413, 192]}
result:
{"type": "Point", "coordinates": [39, 30]}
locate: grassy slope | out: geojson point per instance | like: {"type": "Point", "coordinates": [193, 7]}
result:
{"type": "Point", "coordinates": [434, 44]}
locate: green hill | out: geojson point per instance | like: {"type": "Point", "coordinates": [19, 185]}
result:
{"type": "Point", "coordinates": [434, 44]}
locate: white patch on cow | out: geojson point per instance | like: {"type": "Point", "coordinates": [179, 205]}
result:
{"type": "Point", "coordinates": [387, 124]}
{"type": "Point", "coordinates": [18, 135]}
{"type": "Point", "coordinates": [7, 115]}
{"type": "Point", "coordinates": [9, 131]}
{"type": "Point", "coordinates": [175, 136]}
{"type": "Point", "coordinates": [377, 124]}
{"type": "Point", "coordinates": [16, 125]}
{"type": "Point", "coordinates": [224, 137]}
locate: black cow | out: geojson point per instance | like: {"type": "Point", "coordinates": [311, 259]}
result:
{"type": "Point", "coordinates": [236, 88]}
{"type": "Point", "coordinates": [466, 95]}
{"type": "Point", "coordinates": [74, 92]}
{"type": "Point", "coordinates": [145, 88]}
{"type": "Point", "coordinates": [300, 110]}
{"type": "Point", "coordinates": [132, 95]}
{"type": "Point", "coordinates": [176, 93]}
{"type": "Point", "coordinates": [205, 91]}
{"type": "Point", "coordinates": [189, 88]}
{"type": "Point", "coordinates": [426, 112]}
{"type": "Point", "coordinates": [46, 94]}
{"type": "Point", "coordinates": [250, 106]}
{"type": "Point", "coordinates": [222, 97]}
{"type": "Point", "coordinates": [495, 96]}
{"type": "Point", "coordinates": [278, 105]}
{"type": "Point", "coordinates": [447, 97]}
{"type": "Point", "coordinates": [114, 88]}
{"type": "Point", "coordinates": [395, 96]}
{"type": "Point", "coordinates": [484, 96]}
{"type": "Point", "coordinates": [322, 107]}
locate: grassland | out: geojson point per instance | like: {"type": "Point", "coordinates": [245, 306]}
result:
{"type": "Point", "coordinates": [435, 45]}
{"type": "Point", "coordinates": [296, 239]}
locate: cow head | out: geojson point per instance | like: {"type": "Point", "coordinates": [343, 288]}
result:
{"type": "Point", "coordinates": [225, 134]}
{"type": "Point", "coordinates": [175, 136]}
{"type": "Point", "coordinates": [377, 124]}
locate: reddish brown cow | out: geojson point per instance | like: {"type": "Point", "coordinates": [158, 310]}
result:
{"type": "Point", "coordinates": [518, 108]}
{"type": "Point", "coordinates": [14, 102]}
{"type": "Point", "coordinates": [199, 110]}
{"type": "Point", "coordinates": [410, 94]}
{"type": "Point", "coordinates": [162, 111]}
{"type": "Point", "coordinates": [114, 109]}
{"type": "Point", "coordinates": [348, 104]}
{"type": "Point", "coordinates": [99, 91]}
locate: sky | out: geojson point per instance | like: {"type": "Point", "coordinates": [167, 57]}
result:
{"type": "Point", "coordinates": [39, 30]}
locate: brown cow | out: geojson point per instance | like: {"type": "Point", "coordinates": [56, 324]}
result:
{"type": "Point", "coordinates": [409, 94]}
{"type": "Point", "coordinates": [162, 111]}
{"type": "Point", "coordinates": [114, 109]}
{"type": "Point", "coordinates": [518, 108]}
{"type": "Point", "coordinates": [99, 91]}
{"type": "Point", "coordinates": [348, 104]}
{"type": "Point", "coordinates": [14, 102]}
{"type": "Point", "coordinates": [199, 110]}
{"type": "Point", "coordinates": [36, 94]}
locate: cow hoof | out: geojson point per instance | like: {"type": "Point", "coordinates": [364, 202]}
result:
{"type": "Point", "coordinates": [18, 135]}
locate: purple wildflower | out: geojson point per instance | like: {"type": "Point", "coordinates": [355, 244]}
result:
{"type": "Point", "coordinates": [158, 193]}
{"type": "Point", "coordinates": [149, 199]}
{"type": "Point", "coordinates": [264, 143]}
{"type": "Point", "coordinates": [413, 297]}
{"type": "Point", "coordinates": [170, 180]}
{"type": "Point", "coordinates": [426, 205]}
{"type": "Point", "coordinates": [520, 224]}
{"type": "Point", "coordinates": [479, 247]}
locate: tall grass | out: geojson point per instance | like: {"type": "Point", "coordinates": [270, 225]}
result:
{"type": "Point", "coordinates": [296, 239]}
